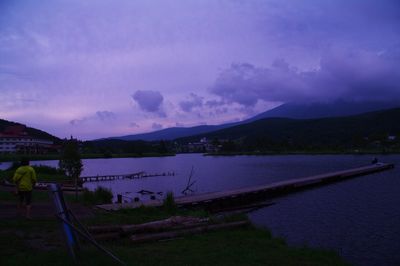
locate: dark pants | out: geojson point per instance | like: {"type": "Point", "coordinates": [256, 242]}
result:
{"type": "Point", "coordinates": [25, 196]}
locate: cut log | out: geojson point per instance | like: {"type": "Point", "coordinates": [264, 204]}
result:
{"type": "Point", "coordinates": [186, 232]}
{"type": "Point", "coordinates": [241, 208]}
{"type": "Point", "coordinates": [162, 224]}
{"type": "Point", "coordinates": [98, 229]}
{"type": "Point", "coordinates": [172, 223]}
{"type": "Point", "coordinates": [108, 232]}
{"type": "Point", "coordinates": [108, 236]}
{"type": "Point", "coordinates": [163, 228]}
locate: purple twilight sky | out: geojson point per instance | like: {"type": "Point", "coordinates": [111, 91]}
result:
{"type": "Point", "coordinates": [98, 68]}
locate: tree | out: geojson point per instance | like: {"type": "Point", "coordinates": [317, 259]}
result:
{"type": "Point", "coordinates": [162, 148]}
{"type": "Point", "coordinates": [71, 162]}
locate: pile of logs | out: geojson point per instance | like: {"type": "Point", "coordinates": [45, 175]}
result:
{"type": "Point", "coordinates": [170, 228]}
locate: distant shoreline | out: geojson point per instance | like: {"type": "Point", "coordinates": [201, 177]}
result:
{"type": "Point", "coordinates": [49, 157]}
{"type": "Point", "coordinates": [301, 153]}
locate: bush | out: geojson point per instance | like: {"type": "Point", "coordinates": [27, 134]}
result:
{"type": "Point", "coordinates": [169, 204]}
{"type": "Point", "coordinates": [43, 169]}
{"type": "Point", "coordinates": [14, 166]}
{"type": "Point", "coordinates": [100, 196]}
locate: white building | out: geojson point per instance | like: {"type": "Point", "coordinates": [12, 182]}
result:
{"type": "Point", "coordinates": [15, 140]}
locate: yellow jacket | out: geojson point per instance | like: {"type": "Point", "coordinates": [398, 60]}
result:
{"type": "Point", "coordinates": [25, 178]}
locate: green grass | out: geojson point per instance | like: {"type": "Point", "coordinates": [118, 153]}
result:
{"type": "Point", "coordinates": [228, 247]}
{"type": "Point", "coordinates": [247, 246]}
{"type": "Point", "coordinates": [36, 196]}
{"type": "Point", "coordinates": [41, 177]}
{"type": "Point", "coordinates": [101, 195]}
{"type": "Point", "coordinates": [40, 242]}
{"type": "Point", "coordinates": [43, 174]}
{"type": "Point", "coordinates": [39, 196]}
{"type": "Point", "coordinates": [140, 215]}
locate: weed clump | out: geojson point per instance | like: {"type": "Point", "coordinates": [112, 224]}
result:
{"type": "Point", "coordinates": [169, 204]}
{"type": "Point", "coordinates": [101, 195]}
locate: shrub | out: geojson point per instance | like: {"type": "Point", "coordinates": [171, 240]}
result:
{"type": "Point", "coordinates": [43, 169]}
{"type": "Point", "coordinates": [101, 195]}
{"type": "Point", "coordinates": [88, 196]}
{"type": "Point", "coordinates": [14, 166]}
{"type": "Point", "coordinates": [169, 204]}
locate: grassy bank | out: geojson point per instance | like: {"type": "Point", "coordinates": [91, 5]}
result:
{"type": "Point", "coordinates": [40, 242]}
{"type": "Point", "coordinates": [240, 247]}
{"type": "Point", "coordinates": [43, 173]}
{"type": "Point", "coordinates": [39, 196]}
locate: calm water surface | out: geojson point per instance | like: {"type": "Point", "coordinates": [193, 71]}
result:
{"type": "Point", "coordinates": [358, 218]}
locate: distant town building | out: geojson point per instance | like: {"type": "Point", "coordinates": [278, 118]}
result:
{"type": "Point", "coordinates": [391, 137]}
{"type": "Point", "coordinates": [15, 139]}
{"type": "Point", "coordinates": [204, 145]}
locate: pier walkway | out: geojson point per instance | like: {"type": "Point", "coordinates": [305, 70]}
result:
{"type": "Point", "coordinates": [138, 175]}
{"type": "Point", "coordinates": [226, 198]}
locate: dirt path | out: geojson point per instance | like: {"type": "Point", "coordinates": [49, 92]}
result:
{"type": "Point", "coordinates": [42, 210]}
{"type": "Point", "coordinates": [39, 209]}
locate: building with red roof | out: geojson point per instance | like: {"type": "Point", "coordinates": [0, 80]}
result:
{"type": "Point", "coordinates": [15, 139]}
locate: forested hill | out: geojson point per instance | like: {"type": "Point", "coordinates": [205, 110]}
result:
{"type": "Point", "coordinates": [31, 131]}
{"type": "Point", "coordinates": [172, 133]}
{"type": "Point", "coordinates": [295, 110]}
{"type": "Point", "coordinates": [336, 132]}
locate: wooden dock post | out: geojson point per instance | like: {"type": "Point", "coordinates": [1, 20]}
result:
{"type": "Point", "coordinates": [119, 198]}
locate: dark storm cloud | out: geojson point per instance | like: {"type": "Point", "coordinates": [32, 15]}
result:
{"type": "Point", "coordinates": [246, 84]}
{"type": "Point", "coordinates": [355, 75]}
{"type": "Point", "coordinates": [156, 126]}
{"type": "Point", "coordinates": [69, 53]}
{"type": "Point", "coordinates": [193, 102]}
{"type": "Point", "coordinates": [105, 115]}
{"type": "Point", "coordinates": [102, 116]}
{"type": "Point", "coordinates": [134, 125]}
{"type": "Point", "coordinates": [149, 101]}
{"type": "Point", "coordinates": [74, 122]}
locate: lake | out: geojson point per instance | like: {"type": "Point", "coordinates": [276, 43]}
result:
{"type": "Point", "coordinates": [358, 218]}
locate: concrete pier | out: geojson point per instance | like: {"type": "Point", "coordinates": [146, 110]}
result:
{"type": "Point", "coordinates": [256, 193]}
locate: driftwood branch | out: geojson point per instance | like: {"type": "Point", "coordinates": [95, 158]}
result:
{"type": "Point", "coordinates": [189, 185]}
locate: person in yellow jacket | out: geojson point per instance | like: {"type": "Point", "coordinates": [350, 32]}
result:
{"type": "Point", "coordinates": [25, 179]}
